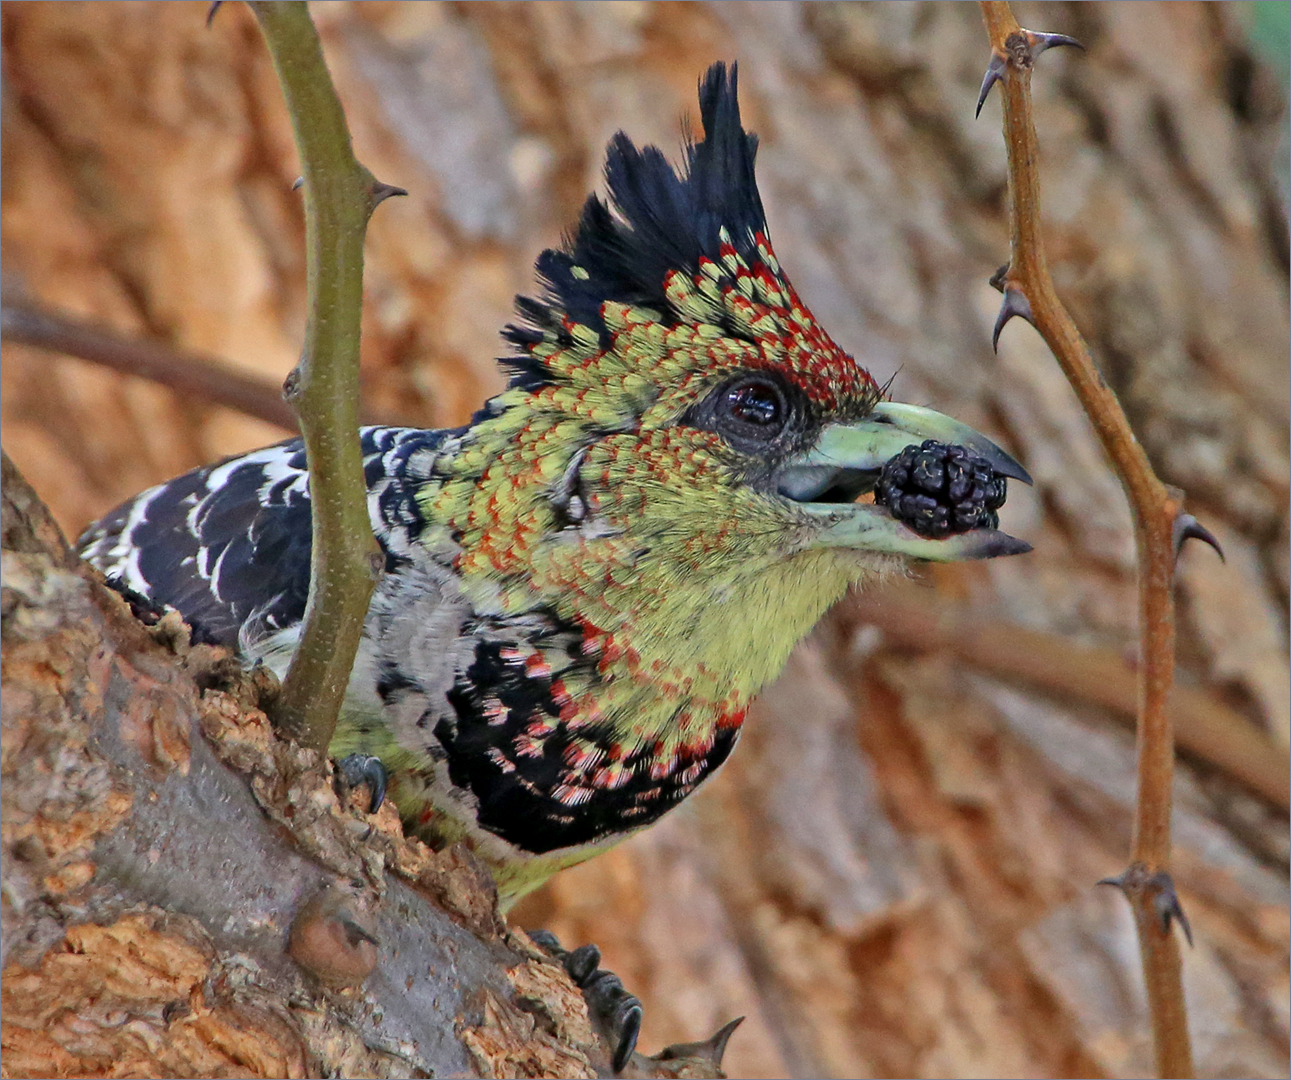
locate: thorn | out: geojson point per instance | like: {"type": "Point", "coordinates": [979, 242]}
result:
{"type": "Point", "coordinates": [995, 71]}
{"type": "Point", "coordinates": [298, 183]}
{"type": "Point", "coordinates": [1040, 42]}
{"type": "Point", "coordinates": [710, 1050]}
{"type": "Point", "coordinates": [718, 1041]}
{"type": "Point", "coordinates": [1015, 303]}
{"type": "Point", "coordinates": [1168, 907]}
{"type": "Point", "coordinates": [1187, 527]}
{"type": "Point", "coordinates": [380, 192]}
{"type": "Point", "coordinates": [210, 11]}
{"type": "Point", "coordinates": [1137, 884]}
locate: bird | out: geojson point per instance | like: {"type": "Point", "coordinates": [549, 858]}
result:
{"type": "Point", "coordinates": [586, 586]}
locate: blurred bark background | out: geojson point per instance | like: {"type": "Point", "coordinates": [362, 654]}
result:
{"type": "Point", "coordinates": [895, 873]}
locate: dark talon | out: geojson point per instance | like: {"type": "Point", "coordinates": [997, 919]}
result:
{"type": "Point", "coordinates": [605, 996]}
{"type": "Point", "coordinates": [357, 769]}
{"type": "Point", "coordinates": [210, 12]}
{"type": "Point", "coordinates": [547, 942]}
{"type": "Point", "coordinates": [628, 1024]}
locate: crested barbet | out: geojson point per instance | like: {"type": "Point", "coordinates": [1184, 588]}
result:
{"type": "Point", "coordinates": [586, 586]}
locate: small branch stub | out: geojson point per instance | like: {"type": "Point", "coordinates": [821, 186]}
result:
{"type": "Point", "coordinates": [332, 939]}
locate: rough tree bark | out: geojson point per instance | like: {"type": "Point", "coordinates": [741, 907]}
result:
{"type": "Point", "coordinates": [894, 875]}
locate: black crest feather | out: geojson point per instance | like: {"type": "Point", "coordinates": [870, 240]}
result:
{"type": "Point", "coordinates": [656, 219]}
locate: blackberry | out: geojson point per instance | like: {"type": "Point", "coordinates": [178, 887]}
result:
{"type": "Point", "coordinates": [939, 490]}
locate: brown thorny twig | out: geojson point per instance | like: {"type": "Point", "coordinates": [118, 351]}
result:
{"type": "Point", "coordinates": [1160, 527]}
{"type": "Point", "coordinates": [340, 195]}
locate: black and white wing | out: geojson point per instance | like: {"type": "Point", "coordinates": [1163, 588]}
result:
{"type": "Point", "coordinates": [228, 545]}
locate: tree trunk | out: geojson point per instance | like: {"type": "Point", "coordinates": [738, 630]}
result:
{"type": "Point", "coordinates": [894, 875]}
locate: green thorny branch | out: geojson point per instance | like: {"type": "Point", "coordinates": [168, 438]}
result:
{"type": "Point", "coordinates": [340, 195]}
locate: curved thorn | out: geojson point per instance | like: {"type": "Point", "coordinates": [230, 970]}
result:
{"type": "Point", "coordinates": [711, 1050]}
{"type": "Point", "coordinates": [994, 73]}
{"type": "Point", "coordinates": [716, 1044]}
{"type": "Point", "coordinates": [1040, 42]}
{"type": "Point", "coordinates": [210, 11]}
{"type": "Point", "coordinates": [381, 192]}
{"type": "Point", "coordinates": [1015, 303]}
{"type": "Point", "coordinates": [1168, 907]}
{"type": "Point", "coordinates": [1187, 527]}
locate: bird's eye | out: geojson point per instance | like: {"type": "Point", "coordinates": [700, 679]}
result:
{"type": "Point", "coordinates": [750, 411]}
{"type": "Point", "coordinates": [758, 404]}
{"type": "Point", "coordinates": [754, 412]}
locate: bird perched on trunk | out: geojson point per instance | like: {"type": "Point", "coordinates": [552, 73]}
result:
{"type": "Point", "coordinates": [586, 586]}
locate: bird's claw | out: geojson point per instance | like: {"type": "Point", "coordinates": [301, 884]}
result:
{"type": "Point", "coordinates": [611, 1007]}
{"type": "Point", "coordinates": [358, 769]}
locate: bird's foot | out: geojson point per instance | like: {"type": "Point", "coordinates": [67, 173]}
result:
{"type": "Point", "coordinates": [616, 1016]}
{"type": "Point", "coordinates": [615, 1013]}
{"type": "Point", "coordinates": [359, 769]}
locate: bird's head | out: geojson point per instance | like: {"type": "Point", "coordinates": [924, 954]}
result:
{"type": "Point", "coordinates": [682, 446]}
